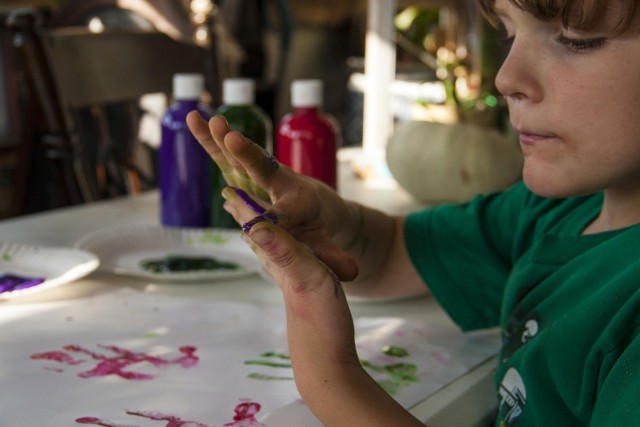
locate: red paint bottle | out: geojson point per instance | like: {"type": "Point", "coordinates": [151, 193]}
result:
{"type": "Point", "coordinates": [307, 138]}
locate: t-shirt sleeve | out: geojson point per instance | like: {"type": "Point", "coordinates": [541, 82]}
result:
{"type": "Point", "coordinates": [464, 253]}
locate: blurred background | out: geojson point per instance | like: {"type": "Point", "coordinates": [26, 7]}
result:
{"type": "Point", "coordinates": [444, 58]}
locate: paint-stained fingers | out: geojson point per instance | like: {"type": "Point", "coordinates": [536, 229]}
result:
{"type": "Point", "coordinates": [247, 211]}
{"type": "Point", "coordinates": [243, 176]}
{"type": "Point", "coordinates": [260, 165]}
{"type": "Point", "coordinates": [219, 127]}
{"type": "Point", "coordinates": [292, 264]}
{"type": "Point", "coordinates": [220, 130]}
{"type": "Point", "coordinates": [243, 207]}
{"type": "Point", "coordinates": [200, 130]}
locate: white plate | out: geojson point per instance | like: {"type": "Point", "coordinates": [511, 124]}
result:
{"type": "Point", "coordinates": [56, 265]}
{"type": "Point", "coordinates": [121, 249]}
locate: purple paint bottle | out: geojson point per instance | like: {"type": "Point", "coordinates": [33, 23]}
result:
{"type": "Point", "coordinates": [185, 188]}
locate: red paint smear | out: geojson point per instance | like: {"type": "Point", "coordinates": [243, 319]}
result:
{"type": "Point", "coordinates": [116, 365]}
{"type": "Point", "coordinates": [245, 417]}
{"type": "Point", "coordinates": [98, 422]}
{"type": "Point", "coordinates": [57, 356]}
{"type": "Point", "coordinates": [173, 421]}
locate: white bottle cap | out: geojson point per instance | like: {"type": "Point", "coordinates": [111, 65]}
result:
{"type": "Point", "coordinates": [238, 91]}
{"type": "Point", "coordinates": [306, 93]}
{"type": "Point", "coordinates": [188, 85]}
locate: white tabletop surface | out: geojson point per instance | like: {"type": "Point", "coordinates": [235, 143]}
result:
{"type": "Point", "coordinates": [64, 227]}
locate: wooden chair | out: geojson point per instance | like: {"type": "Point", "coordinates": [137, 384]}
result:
{"type": "Point", "coordinates": [87, 87]}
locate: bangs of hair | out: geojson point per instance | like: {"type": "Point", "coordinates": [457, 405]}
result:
{"type": "Point", "coordinates": [582, 15]}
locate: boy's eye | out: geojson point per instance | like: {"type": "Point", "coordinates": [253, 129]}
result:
{"type": "Point", "coordinates": [504, 38]}
{"type": "Point", "coordinates": [580, 45]}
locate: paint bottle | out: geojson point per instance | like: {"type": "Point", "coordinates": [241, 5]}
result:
{"type": "Point", "coordinates": [184, 165]}
{"type": "Point", "coordinates": [307, 138]}
{"type": "Point", "coordinates": [242, 114]}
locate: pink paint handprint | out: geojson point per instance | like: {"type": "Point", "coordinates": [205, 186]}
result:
{"type": "Point", "coordinates": [117, 362]}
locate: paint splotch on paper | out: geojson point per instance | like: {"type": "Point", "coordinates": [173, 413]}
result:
{"type": "Point", "coordinates": [14, 282]}
{"type": "Point", "coordinates": [396, 374]}
{"type": "Point", "coordinates": [117, 361]}
{"type": "Point", "coordinates": [271, 359]}
{"type": "Point", "coordinates": [245, 416]}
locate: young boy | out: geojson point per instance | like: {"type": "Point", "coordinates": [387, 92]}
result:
{"type": "Point", "coordinates": [553, 260]}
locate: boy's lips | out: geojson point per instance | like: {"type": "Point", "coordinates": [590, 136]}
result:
{"type": "Point", "coordinates": [530, 137]}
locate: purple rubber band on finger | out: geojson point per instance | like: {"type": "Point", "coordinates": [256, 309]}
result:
{"type": "Point", "coordinates": [250, 202]}
{"type": "Point", "coordinates": [247, 226]}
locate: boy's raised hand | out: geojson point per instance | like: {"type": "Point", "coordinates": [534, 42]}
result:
{"type": "Point", "coordinates": [308, 209]}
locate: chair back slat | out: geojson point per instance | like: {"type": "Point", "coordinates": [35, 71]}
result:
{"type": "Point", "coordinates": [88, 87]}
{"type": "Point", "coordinates": [116, 66]}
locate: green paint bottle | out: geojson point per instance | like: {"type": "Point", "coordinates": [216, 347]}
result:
{"type": "Point", "coordinates": [239, 108]}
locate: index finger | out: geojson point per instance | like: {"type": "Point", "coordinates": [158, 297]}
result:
{"type": "Point", "coordinates": [200, 130]}
{"type": "Point", "coordinates": [260, 165]}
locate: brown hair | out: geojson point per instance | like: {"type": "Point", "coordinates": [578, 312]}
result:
{"type": "Point", "coordinates": [580, 14]}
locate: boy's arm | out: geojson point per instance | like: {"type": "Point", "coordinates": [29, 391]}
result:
{"type": "Point", "coordinates": [320, 332]}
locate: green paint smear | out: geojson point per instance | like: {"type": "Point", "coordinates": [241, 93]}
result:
{"type": "Point", "coordinates": [400, 375]}
{"type": "Point", "coordinates": [173, 263]}
{"type": "Point", "coordinates": [276, 355]}
{"type": "Point", "coordinates": [394, 351]}
{"type": "Point", "coordinates": [263, 377]}
{"type": "Point", "coordinates": [211, 237]}
{"type": "Point", "coordinates": [405, 372]}
{"type": "Point", "coordinates": [391, 387]}
{"type": "Point", "coordinates": [6, 257]}
{"type": "Point", "coordinates": [149, 335]}
{"type": "Point", "coordinates": [271, 364]}
{"type": "Point", "coordinates": [402, 372]}
{"type": "Point", "coordinates": [267, 363]}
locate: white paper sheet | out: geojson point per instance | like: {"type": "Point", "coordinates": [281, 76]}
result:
{"type": "Point", "coordinates": [134, 359]}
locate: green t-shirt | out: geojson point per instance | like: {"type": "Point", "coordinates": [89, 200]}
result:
{"type": "Point", "coordinates": [568, 305]}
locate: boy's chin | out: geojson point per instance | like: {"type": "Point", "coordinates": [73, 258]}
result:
{"type": "Point", "coordinates": [544, 185]}
{"type": "Point", "coordinates": [554, 188]}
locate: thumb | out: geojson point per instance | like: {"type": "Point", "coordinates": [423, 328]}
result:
{"type": "Point", "coordinates": [289, 262]}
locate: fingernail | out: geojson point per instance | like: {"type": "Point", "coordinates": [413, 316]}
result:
{"type": "Point", "coordinates": [225, 193]}
{"type": "Point", "coordinates": [223, 118]}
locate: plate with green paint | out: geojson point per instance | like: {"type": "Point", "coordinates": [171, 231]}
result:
{"type": "Point", "coordinates": [151, 251]}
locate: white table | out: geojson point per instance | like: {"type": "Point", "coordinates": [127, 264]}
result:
{"type": "Point", "coordinates": [472, 391]}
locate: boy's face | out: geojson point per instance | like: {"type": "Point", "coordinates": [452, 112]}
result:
{"type": "Point", "coordinates": [574, 98]}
